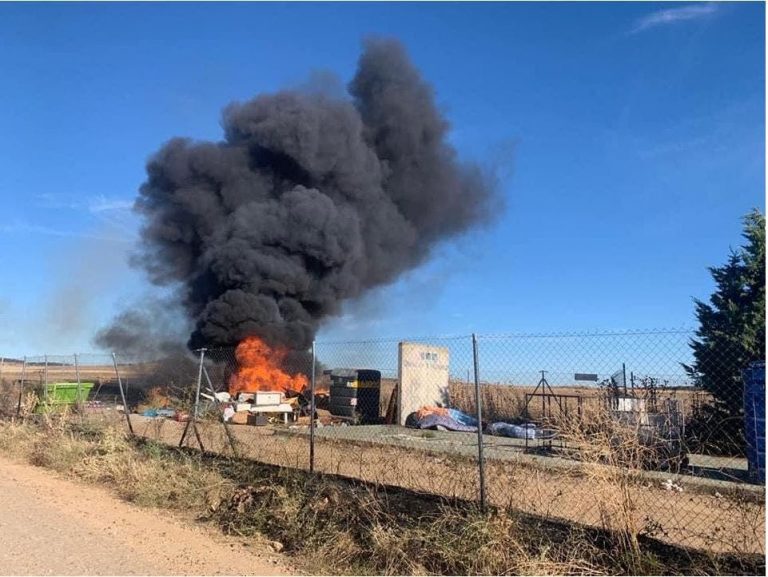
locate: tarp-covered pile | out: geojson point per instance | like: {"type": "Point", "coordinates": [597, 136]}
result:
{"type": "Point", "coordinates": [454, 420]}
{"type": "Point", "coordinates": [441, 418]}
{"type": "Point", "coordinates": [527, 430]}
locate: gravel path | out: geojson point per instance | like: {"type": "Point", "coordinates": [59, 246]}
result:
{"type": "Point", "coordinates": [53, 526]}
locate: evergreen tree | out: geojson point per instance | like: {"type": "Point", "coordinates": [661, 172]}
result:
{"type": "Point", "coordinates": [731, 332]}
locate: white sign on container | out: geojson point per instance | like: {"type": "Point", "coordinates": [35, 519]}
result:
{"type": "Point", "coordinates": [422, 376]}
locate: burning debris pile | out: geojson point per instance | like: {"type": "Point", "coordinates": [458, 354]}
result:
{"type": "Point", "coordinates": [260, 369]}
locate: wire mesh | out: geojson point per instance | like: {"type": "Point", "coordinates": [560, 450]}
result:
{"type": "Point", "coordinates": [620, 430]}
{"type": "Point", "coordinates": [634, 432]}
{"type": "Point", "coordinates": [12, 375]}
{"type": "Point", "coordinates": [384, 408]}
{"type": "Point", "coordinates": [160, 394]}
{"type": "Point", "coordinates": [56, 383]}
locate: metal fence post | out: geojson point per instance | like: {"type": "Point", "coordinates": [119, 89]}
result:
{"type": "Point", "coordinates": [21, 386]}
{"type": "Point", "coordinates": [193, 418]}
{"type": "Point", "coordinates": [45, 378]}
{"type": "Point", "coordinates": [312, 414]}
{"type": "Point", "coordinates": [79, 387]}
{"type": "Point", "coordinates": [479, 417]}
{"type": "Point", "coordinates": [199, 383]}
{"type": "Point", "coordinates": [217, 403]}
{"type": "Point", "coordinates": [122, 396]}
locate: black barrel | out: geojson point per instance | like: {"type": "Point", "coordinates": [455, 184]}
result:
{"type": "Point", "coordinates": [355, 394]}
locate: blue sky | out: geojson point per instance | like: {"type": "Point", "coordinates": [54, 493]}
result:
{"type": "Point", "coordinates": [630, 138]}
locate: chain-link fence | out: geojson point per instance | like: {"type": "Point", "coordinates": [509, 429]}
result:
{"type": "Point", "coordinates": [624, 431]}
{"type": "Point", "coordinates": [55, 384]}
{"type": "Point", "coordinates": [627, 431]}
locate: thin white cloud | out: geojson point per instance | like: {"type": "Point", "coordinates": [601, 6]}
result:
{"type": "Point", "coordinates": [23, 227]}
{"type": "Point", "coordinates": [674, 15]}
{"type": "Point", "coordinates": [56, 201]}
{"type": "Point", "coordinates": [114, 212]}
{"type": "Point", "coordinates": [101, 204]}
{"type": "Point", "coordinates": [95, 204]}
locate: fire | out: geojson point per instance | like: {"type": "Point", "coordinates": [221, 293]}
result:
{"type": "Point", "coordinates": [258, 369]}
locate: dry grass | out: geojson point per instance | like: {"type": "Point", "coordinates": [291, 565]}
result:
{"type": "Point", "coordinates": [344, 527]}
{"type": "Point", "coordinates": [572, 492]}
{"type": "Point", "coordinates": [9, 395]}
{"type": "Point", "coordinates": [614, 457]}
{"type": "Point", "coordinates": [149, 476]}
{"type": "Point", "coordinates": [508, 403]}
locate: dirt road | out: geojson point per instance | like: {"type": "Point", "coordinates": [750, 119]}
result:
{"type": "Point", "coordinates": [52, 526]}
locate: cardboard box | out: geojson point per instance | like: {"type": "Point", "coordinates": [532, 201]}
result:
{"type": "Point", "coordinates": [239, 419]}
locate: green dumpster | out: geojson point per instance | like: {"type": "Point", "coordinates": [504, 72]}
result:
{"type": "Point", "coordinates": [59, 395]}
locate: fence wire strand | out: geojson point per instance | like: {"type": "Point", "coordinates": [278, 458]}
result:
{"type": "Point", "coordinates": [618, 430]}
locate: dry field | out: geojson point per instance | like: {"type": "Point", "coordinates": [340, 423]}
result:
{"type": "Point", "coordinates": [500, 402]}
{"type": "Point", "coordinates": [715, 519]}
{"type": "Point", "coordinates": [507, 402]}
{"type": "Point", "coordinates": [11, 371]}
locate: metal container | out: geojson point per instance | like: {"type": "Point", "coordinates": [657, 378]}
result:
{"type": "Point", "coordinates": [754, 419]}
{"type": "Point", "coordinates": [355, 394]}
{"type": "Point", "coordinates": [58, 395]}
{"type": "Point", "coordinates": [265, 399]}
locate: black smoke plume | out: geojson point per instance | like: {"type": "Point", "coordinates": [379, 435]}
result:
{"type": "Point", "coordinates": [308, 201]}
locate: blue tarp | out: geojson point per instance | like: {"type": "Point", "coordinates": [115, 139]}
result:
{"type": "Point", "coordinates": [433, 421]}
{"type": "Point", "coordinates": [159, 413]}
{"type": "Point", "coordinates": [462, 418]}
{"type": "Point", "coordinates": [515, 431]}
{"type": "Point", "coordinates": [456, 420]}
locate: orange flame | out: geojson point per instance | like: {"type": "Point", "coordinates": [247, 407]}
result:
{"type": "Point", "coordinates": [258, 369]}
